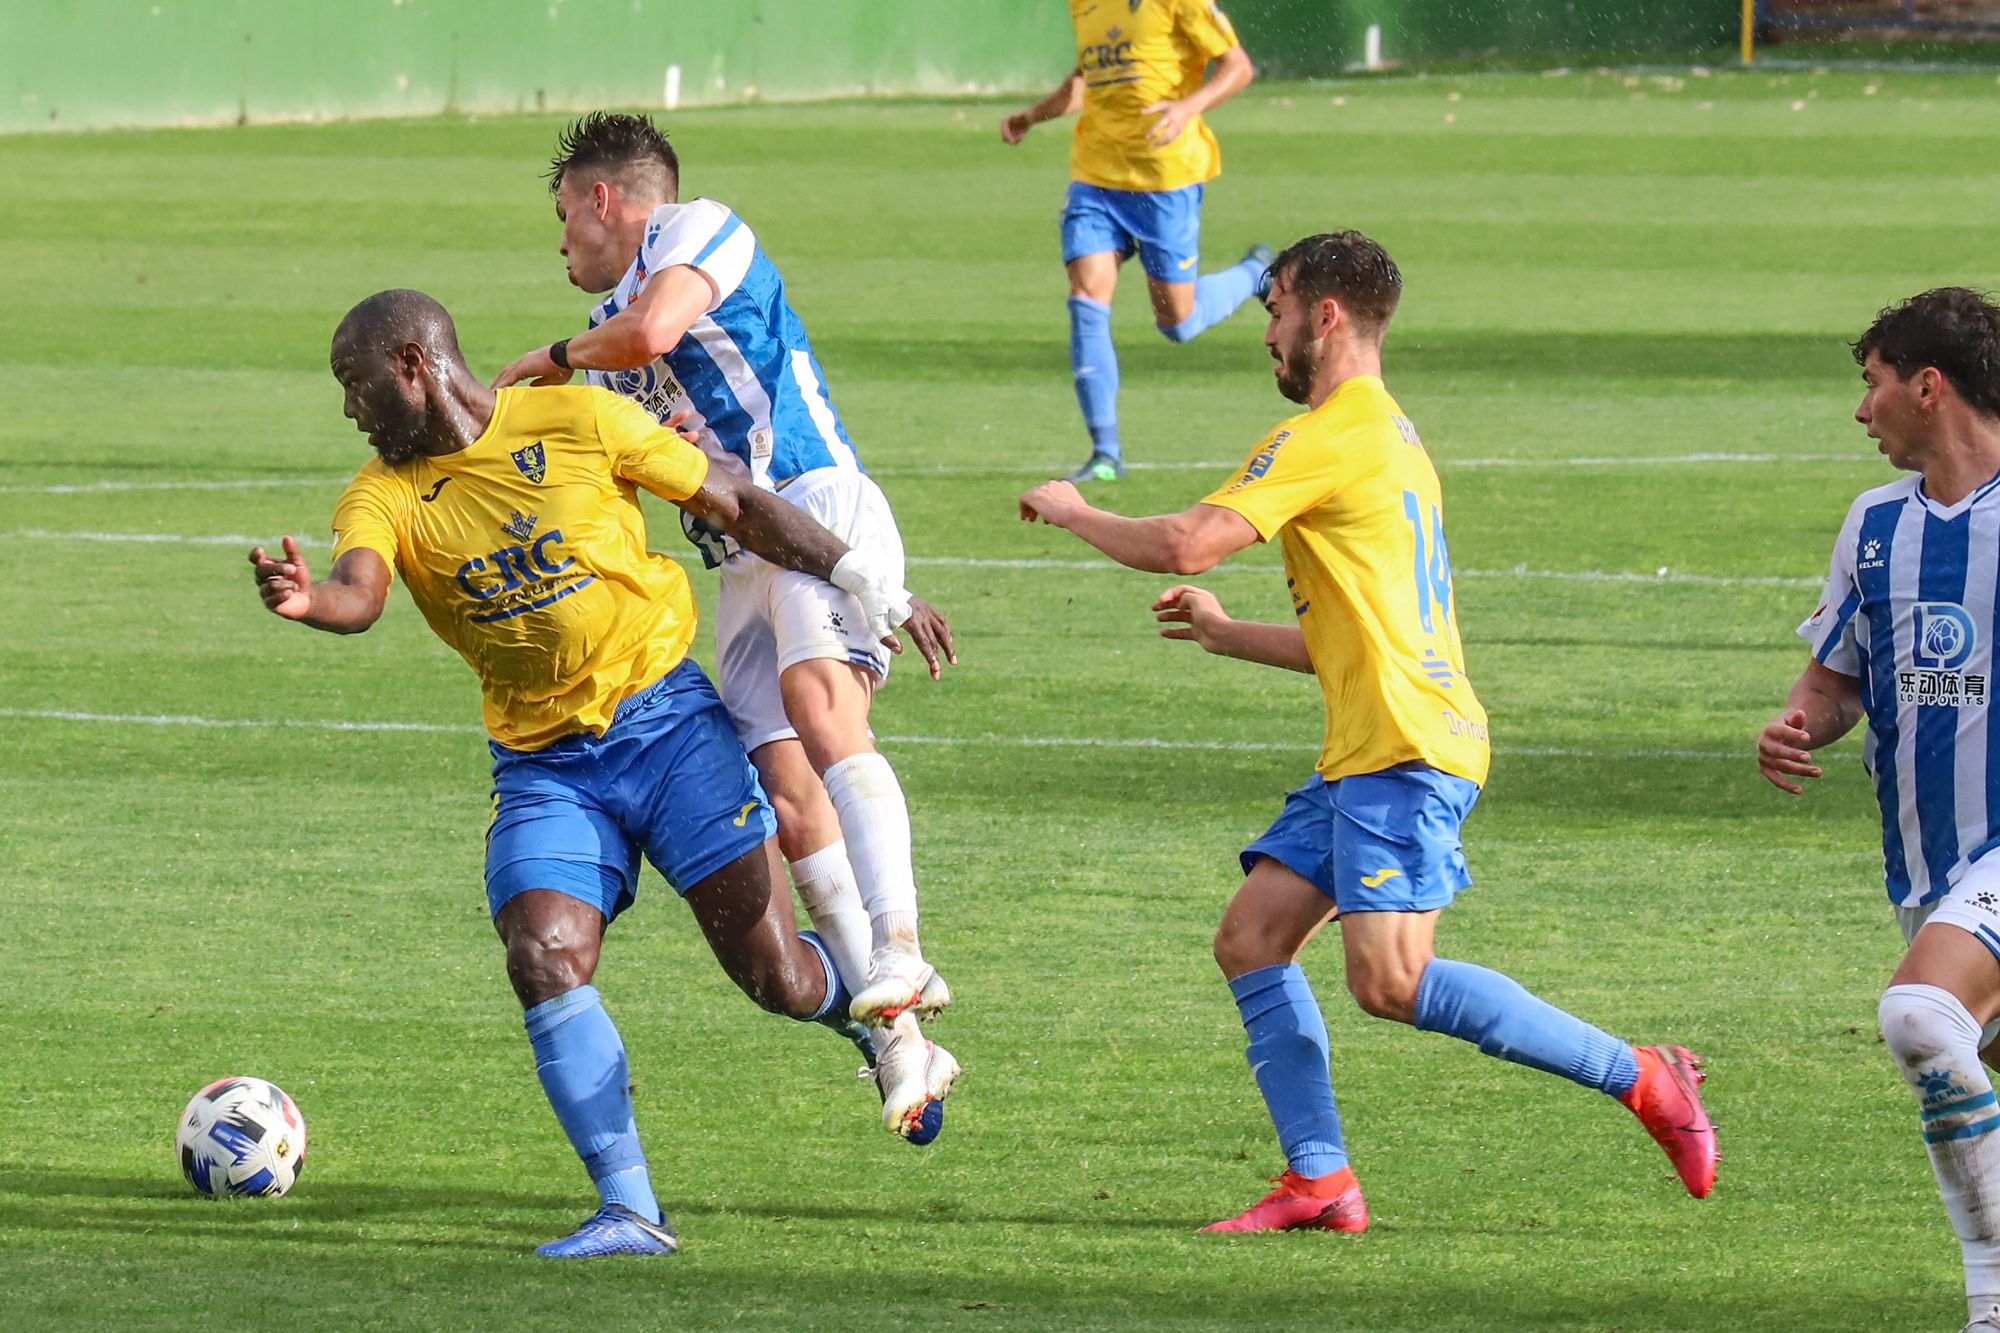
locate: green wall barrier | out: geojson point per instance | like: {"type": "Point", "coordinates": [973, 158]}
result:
{"type": "Point", "coordinates": [70, 64]}
{"type": "Point", "coordinates": [78, 64]}
{"type": "Point", "coordinates": [1307, 38]}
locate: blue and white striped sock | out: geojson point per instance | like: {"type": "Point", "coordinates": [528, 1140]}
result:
{"type": "Point", "coordinates": [1936, 1046]}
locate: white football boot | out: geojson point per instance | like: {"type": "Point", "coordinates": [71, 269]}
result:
{"type": "Point", "coordinates": [914, 1076]}
{"type": "Point", "coordinates": [899, 982]}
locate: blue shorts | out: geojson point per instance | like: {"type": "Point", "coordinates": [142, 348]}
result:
{"type": "Point", "coordinates": [668, 778]}
{"type": "Point", "coordinates": [1375, 842]}
{"type": "Point", "coordinates": [1164, 226]}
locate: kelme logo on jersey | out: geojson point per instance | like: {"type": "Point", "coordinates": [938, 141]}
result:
{"type": "Point", "coordinates": [533, 463]}
{"type": "Point", "coordinates": [1260, 462]}
{"type": "Point", "coordinates": [1942, 635]}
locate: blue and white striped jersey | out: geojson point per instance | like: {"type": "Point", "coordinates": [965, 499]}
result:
{"type": "Point", "coordinates": [1909, 610]}
{"type": "Point", "coordinates": [746, 367]}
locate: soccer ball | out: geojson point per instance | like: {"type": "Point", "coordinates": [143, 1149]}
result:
{"type": "Point", "coordinates": [241, 1136]}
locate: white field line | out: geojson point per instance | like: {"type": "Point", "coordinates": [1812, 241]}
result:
{"type": "Point", "coordinates": [1009, 742]}
{"type": "Point", "coordinates": [1010, 469]}
{"type": "Point", "coordinates": [1659, 577]}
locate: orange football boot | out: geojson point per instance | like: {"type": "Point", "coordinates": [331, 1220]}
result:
{"type": "Point", "coordinates": [1668, 1103]}
{"type": "Point", "coordinates": [1331, 1202]}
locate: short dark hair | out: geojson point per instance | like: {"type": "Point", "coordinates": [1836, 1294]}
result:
{"type": "Point", "coordinates": [614, 143]}
{"type": "Point", "coordinates": [1348, 267]}
{"type": "Point", "coordinates": [1955, 329]}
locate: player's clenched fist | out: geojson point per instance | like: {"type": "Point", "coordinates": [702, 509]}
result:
{"type": "Point", "coordinates": [1783, 751]}
{"type": "Point", "coordinates": [1191, 613]}
{"type": "Point", "coordinates": [285, 585]}
{"type": "Point", "coordinates": [1052, 502]}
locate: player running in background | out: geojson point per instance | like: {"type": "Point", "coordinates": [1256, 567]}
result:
{"type": "Point", "coordinates": [514, 520]}
{"type": "Point", "coordinates": [1138, 163]}
{"type": "Point", "coordinates": [697, 328]}
{"type": "Point", "coordinates": [1372, 839]}
{"type": "Point", "coordinates": [1903, 638]}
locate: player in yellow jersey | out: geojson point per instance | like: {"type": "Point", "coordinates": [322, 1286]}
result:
{"type": "Point", "coordinates": [514, 520]}
{"type": "Point", "coordinates": [1140, 159]}
{"type": "Point", "coordinates": [1372, 839]}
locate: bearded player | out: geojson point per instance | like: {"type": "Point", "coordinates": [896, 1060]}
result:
{"type": "Point", "coordinates": [1371, 841]}
{"type": "Point", "coordinates": [514, 520]}
{"type": "Point", "coordinates": [698, 329]}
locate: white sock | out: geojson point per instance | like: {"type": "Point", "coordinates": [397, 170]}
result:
{"type": "Point", "coordinates": [825, 882]}
{"type": "Point", "coordinates": [876, 823]}
{"type": "Point", "coordinates": [1936, 1046]}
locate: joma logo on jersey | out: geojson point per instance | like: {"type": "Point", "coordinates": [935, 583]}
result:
{"type": "Point", "coordinates": [1941, 635]}
{"type": "Point", "coordinates": [513, 567]}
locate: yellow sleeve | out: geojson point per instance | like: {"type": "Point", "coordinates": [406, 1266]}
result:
{"type": "Point", "coordinates": [1290, 472]}
{"type": "Point", "coordinates": [1206, 28]}
{"type": "Point", "coordinates": [367, 518]}
{"type": "Point", "coordinates": [644, 452]}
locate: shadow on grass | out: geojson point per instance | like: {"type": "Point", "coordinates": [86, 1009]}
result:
{"type": "Point", "coordinates": [66, 1201]}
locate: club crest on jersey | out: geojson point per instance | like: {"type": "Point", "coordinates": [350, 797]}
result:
{"type": "Point", "coordinates": [534, 464]}
{"type": "Point", "coordinates": [520, 527]}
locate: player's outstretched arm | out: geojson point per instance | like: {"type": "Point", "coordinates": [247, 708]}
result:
{"type": "Point", "coordinates": [1196, 614]}
{"type": "Point", "coordinates": [789, 537]}
{"type": "Point", "coordinates": [1823, 706]}
{"type": "Point", "coordinates": [653, 325]}
{"type": "Point", "coordinates": [1193, 541]}
{"type": "Point", "coordinates": [1066, 100]}
{"type": "Point", "coordinates": [347, 601]}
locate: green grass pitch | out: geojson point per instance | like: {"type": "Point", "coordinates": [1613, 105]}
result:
{"type": "Point", "coordinates": [1622, 339]}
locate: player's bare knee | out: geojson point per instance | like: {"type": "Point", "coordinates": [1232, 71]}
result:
{"type": "Point", "coordinates": [779, 984]}
{"type": "Point", "coordinates": [1385, 992]}
{"type": "Point", "coordinates": [1243, 944]}
{"type": "Point", "coordinates": [541, 968]}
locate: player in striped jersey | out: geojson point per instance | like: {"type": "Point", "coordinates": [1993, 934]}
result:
{"type": "Point", "coordinates": [1903, 638]}
{"type": "Point", "coordinates": [696, 327]}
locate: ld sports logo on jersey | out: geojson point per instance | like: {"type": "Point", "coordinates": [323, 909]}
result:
{"type": "Point", "coordinates": [532, 461]}
{"type": "Point", "coordinates": [1942, 639]}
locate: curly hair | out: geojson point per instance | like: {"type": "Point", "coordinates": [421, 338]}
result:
{"type": "Point", "coordinates": [612, 143]}
{"type": "Point", "coordinates": [1348, 267]}
{"type": "Point", "coordinates": [1955, 329]}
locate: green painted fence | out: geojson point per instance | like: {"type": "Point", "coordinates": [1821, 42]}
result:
{"type": "Point", "coordinates": [84, 63]}
{"type": "Point", "coordinates": [1305, 38]}
{"type": "Point", "coordinates": [71, 64]}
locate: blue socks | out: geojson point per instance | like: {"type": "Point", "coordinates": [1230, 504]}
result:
{"type": "Point", "coordinates": [1094, 365]}
{"type": "Point", "coordinates": [581, 1063]}
{"type": "Point", "coordinates": [1499, 1016]}
{"type": "Point", "coordinates": [1216, 296]}
{"type": "Point", "coordinates": [1288, 1058]}
{"type": "Point", "coordinates": [833, 1011]}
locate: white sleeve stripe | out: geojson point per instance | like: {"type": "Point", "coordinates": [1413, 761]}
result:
{"type": "Point", "coordinates": [728, 263]}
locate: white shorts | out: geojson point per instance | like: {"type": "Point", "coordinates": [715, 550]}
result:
{"type": "Point", "coordinates": [768, 618]}
{"type": "Point", "coordinates": [1973, 905]}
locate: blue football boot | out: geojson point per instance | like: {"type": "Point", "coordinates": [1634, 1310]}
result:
{"type": "Point", "coordinates": [614, 1229]}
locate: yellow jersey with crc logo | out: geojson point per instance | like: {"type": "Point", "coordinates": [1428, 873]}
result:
{"type": "Point", "coordinates": [526, 552]}
{"type": "Point", "coordinates": [1354, 502]}
{"type": "Point", "coordinates": [1133, 53]}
